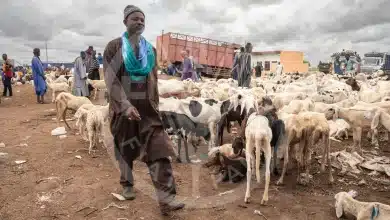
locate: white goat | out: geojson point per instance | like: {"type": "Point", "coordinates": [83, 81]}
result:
{"type": "Point", "coordinates": [346, 204]}
{"type": "Point", "coordinates": [57, 87]}
{"type": "Point", "coordinates": [306, 129]}
{"type": "Point", "coordinates": [258, 136]}
{"type": "Point", "coordinates": [81, 118]}
{"type": "Point", "coordinates": [97, 85]}
{"type": "Point", "coordinates": [94, 123]}
{"type": "Point", "coordinates": [65, 101]}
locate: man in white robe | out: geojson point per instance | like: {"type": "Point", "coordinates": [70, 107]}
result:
{"type": "Point", "coordinates": [279, 70]}
{"type": "Point", "coordinates": [80, 76]}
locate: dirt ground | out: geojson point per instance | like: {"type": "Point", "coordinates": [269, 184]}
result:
{"type": "Point", "coordinates": [54, 184]}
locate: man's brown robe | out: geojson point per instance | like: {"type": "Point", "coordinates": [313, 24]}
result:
{"type": "Point", "coordinates": [146, 138]}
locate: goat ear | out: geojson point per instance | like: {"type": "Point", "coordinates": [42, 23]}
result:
{"type": "Point", "coordinates": [375, 120]}
{"type": "Point", "coordinates": [339, 208]}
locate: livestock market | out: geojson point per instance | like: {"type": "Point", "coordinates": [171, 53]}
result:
{"type": "Point", "coordinates": [177, 126]}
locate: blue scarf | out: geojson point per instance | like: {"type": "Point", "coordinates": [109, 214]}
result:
{"type": "Point", "coordinates": [137, 68]}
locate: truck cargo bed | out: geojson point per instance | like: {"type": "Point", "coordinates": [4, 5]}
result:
{"type": "Point", "coordinates": [215, 56]}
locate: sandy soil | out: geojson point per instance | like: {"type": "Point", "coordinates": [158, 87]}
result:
{"type": "Point", "coordinates": [54, 184]}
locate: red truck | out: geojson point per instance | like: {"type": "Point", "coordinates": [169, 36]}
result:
{"type": "Point", "coordinates": [215, 57]}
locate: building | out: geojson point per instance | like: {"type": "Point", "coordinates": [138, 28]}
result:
{"type": "Point", "coordinates": [292, 61]}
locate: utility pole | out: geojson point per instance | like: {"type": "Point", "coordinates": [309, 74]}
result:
{"type": "Point", "coordinates": [47, 59]}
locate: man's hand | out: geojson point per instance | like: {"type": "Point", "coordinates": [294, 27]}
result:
{"type": "Point", "coordinates": [132, 114]}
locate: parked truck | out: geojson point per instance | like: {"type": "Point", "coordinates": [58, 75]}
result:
{"type": "Point", "coordinates": [324, 67]}
{"type": "Point", "coordinates": [386, 64]}
{"type": "Point", "coordinates": [212, 57]}
{"type": "Point", "coordinates": [372, 62]}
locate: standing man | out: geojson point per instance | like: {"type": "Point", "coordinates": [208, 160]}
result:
{"type": "Point", "coordinates": [279, 70]}
{"type": "Point", "coordinates": [80, 75]}
{"type": "Point", "coordinates": [88, 57]}
{"type": "Point", "coordinates": [93, 72]}
{"type": "Point", "coordinates": [8, 74]}
{"type": "Point", "coordinates": [337, 66]}
{"type": "Point", "coordinates": [349, 65]}
{"type": "Point", "coordinates": [188, 70]}
{"type": "Point", "coordinates": [100, 59]}
{"type": "Point", "coordinates": [236, 69]}
{"type": "Point", "coordinates": [245, 60]}
{"type": "Point", "coordinates": [39, 76]}
{"type": "Point", "coordinates": [130, 68]}
{"type": "Point", "coordinates": [258, 69]}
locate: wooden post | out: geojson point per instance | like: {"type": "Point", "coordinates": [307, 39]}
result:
{"type": "Point", "coordinates": [162, 44]}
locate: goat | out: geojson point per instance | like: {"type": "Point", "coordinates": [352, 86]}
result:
{"type": "Point", "coordinates": [378, 115]}
{"type": "Point", "coordinates": [94, 123]}
{"type": "Point", "coordinates": [66, 101]}
{"type": "Point", "coordinates": [81, 117]}
{"type": "Point", "coordinates": [182, 125]}
{"type": "Point", "coordinates": [258, 135]}
{"type": "Point", "coordinates": [306, 128]}
{"type": "Point", "coordinates": [57, 87]}
{"type": "Point", "coordinates": [346, 204]}
{"type": "Point", "coordinates": [97, 85]}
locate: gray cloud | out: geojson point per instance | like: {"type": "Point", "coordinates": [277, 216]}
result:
{"type": "Point", "coordinates": [210, 15]}
{"type": "Point", "coordinates": [357, 14]}
{"type": "Point", "coordinates": [318, 28]}
{"type": "Point", "coordinates": [26, 19]}
{"type": "Point", "coordinates": [249, 3]}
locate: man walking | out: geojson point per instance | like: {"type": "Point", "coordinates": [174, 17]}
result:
{"type": "Point", "coordinates": [80, 76]}
{"type": "Point", "coordinates": [8, 74]}
{"type": "Point", "coordinates": [39, 76]}
{"type": "Point", "coordinates": [131, 77]}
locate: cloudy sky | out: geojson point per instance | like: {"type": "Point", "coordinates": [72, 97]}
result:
{"type": "Point", "coordinates": [318, 28]}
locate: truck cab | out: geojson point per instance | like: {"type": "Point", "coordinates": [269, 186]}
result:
{"type": "Point", "coordinates": [372, 62]}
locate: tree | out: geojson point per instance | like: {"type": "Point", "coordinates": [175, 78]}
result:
{"type": "Point", "coordinates": [305, 61]}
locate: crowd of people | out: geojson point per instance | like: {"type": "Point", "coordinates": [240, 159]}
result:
{"type": "Point", "coordinates": [242, 70]}
{"type": "Point", "coordinates": [87, 65]}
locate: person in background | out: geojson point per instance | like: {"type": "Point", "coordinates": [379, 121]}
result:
{"type": "Point", "coordinates": [278, 71]}
{"type": "Point", "coordinates": [245, 67]}
{"type": "Point", "coordinates": [193, 65]}
{"type": "Point", "coordinates": [188, 71]}
{"type": "Point", "coordinates": [88, 57]}
{"type": "Point", "coordinates": [80, 75]}
{"type": "Point", "coordinates": [171, 70]}
{"type": "Point", "coordinates": [100, 59]}
{"type": "Point", "coordinates": [8, 74]}
{"type": "Point", "coordinates": [349, 65]}
{"type": "Point", "coordinates": [236, 62]}
{"type": "Point", "coordinates": [130, 74]}
{"type": "Point", "coordinates": [93, 71]}
{"type": "Point", "coordinates": [258, 69]}
{"type": "Point", "coordinates": [38, 76]}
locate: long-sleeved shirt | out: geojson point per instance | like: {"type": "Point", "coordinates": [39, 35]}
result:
{"type": "Point", "coordinates": [79, 73]}
{"type": "Point", "coordinates": [100, 59]}
{"type": "Point", "coordinates": [7, 68]}
{"type": "Point", "coordinates": [94, 65]}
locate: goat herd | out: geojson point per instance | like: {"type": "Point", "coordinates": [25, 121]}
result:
{"type": "Point", "coordinates": [282, 117]}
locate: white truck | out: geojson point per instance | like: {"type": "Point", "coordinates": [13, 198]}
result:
{"type": "Point", "coordinates": [373, 62]}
